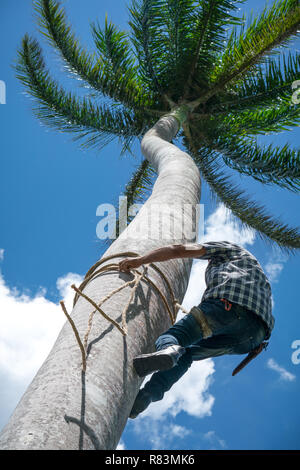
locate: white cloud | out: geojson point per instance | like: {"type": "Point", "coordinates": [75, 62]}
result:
{"type": "Point", "coordinates": [214, 441]}
{"type": "Point", "coordinates": [275, 265]}
{"type": "Point", "coordinates": [121, 446]}
{"type": "Point", "coordinates": [164, 436]}
{"type": "Point", "coordinates": [273, 270]}
{"type": "Point", "coordinates": [161, 435]}
{"type": "Point", "coordinates": [283, 373]}
{"type": "Point", "coordinates": [195, 287]}
{"type": "Point", "coordinates": [28, 329]}
{"type": "Point", "coordinates": [189, 394]}
{"type": "Point", "coordinates": [1, 254]}
{"type": "Point", "coordinates": [221, 226]}
{"type": "Point", "coordinates": [63, 285]}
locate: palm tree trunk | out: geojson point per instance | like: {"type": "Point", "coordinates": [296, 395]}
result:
{"type": "Point", "coordinates": [65, 408]}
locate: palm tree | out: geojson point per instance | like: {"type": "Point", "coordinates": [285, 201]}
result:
{"type": "Point", "coordinates": [190, 70]}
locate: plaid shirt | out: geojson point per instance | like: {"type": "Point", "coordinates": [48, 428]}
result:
{"type": "Point", "coordinates": [235, 274]}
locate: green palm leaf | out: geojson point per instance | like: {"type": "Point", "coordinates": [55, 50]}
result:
{"type": "Point", "coordinates": [261, 121]}
{"type": "Point", "coordinates": [268, 86]}
{"type": "Point", "coordinates": [96, 72]}
{"type": "Point", "coordinates": [146, 25]}
{"type": "Point", "coordinates": [249, 213]}
{"type": "Point", "coordinates": [268, 164]}
{"type": "Point", "coordinates": [179, 39]}
{"type": "Point", "coordinates": [97, 125]}
{"type": "Point", "coordinates": [274, 27]}
{"type": "Point", "coordinates": [117, 65]}
{"type": "Point", "coordinates": [211, 22]}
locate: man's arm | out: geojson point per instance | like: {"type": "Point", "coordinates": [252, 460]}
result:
{"type": "Point", "coordinates": [164, 254]}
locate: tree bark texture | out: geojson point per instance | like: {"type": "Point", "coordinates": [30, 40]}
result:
{"type": "Point", "coordinates": [66, 408]}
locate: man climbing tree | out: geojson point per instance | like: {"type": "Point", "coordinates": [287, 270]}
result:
{"type": "Point", "coordinates": [192, 71]}
{"type": "Point", "coordinates": [234, 316]}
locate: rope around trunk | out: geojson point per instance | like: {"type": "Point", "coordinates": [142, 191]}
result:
{"type": "Point", "coordinates": [138, 277]}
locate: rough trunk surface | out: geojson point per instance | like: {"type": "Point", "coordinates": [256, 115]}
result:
{"type": "Point", "coordinates": [65, 408]}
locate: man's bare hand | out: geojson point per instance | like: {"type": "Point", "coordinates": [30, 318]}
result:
{"type": "Point", "coordinates": [129, 263]}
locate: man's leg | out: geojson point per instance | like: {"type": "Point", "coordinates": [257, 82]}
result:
{"type": "Point", "coordinates": [159, 383]}
{"type": "Point", "coordinates": [173, 344]}
{"type": "Point", "coordinates": [170, 346]}
{"type": "Point", "coordinates": [220, 332]}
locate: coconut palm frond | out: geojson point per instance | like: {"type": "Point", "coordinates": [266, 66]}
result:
{"type": "Point", "coordinates": [145, 24]}
{"type": "Point", "coordinates": [282, 117]}
{"type": "Point", "coordinates": [274, 27]}
{"type": "Point", "coordinates": [177, 42]}
{"type": "Point", "coordinates": [272, 83]}
{"type": "Point", "coordinates": [267, 164]}
{"type": "Point", "coordinates": [94, 71]}
{"type": "Point", "coordinates": [211, 20]}
{"type": "Point", "coordinates": [95, 124]}
{"type": "Point", "coordinates": [250, 213]}
{"type": "Point", "coordinates": [118, 67]}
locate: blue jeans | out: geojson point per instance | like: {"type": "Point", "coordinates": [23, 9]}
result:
{"type": "Point", "coordinates": [236, 331]}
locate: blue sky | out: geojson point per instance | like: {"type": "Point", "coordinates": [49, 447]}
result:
{"type": "Point", "coordinates": [49, 192]}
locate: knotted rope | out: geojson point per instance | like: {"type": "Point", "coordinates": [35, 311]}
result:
{"type": "Point", "coordinates": [96, 270]}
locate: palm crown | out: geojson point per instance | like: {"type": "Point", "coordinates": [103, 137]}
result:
{"type": "Point", "coordinates": [229, 74]}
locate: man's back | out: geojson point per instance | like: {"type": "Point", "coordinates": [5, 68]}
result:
{"type": "Point", "coordinates": [235, 274]}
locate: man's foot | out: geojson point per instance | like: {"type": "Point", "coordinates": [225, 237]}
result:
{"type": "Point", "coordinates": [160, 360]}
{"type": "Point", "coordinates": [142, 401]}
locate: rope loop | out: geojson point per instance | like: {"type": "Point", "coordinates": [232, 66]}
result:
{"type": "Point", "coordinates": [95, 271]}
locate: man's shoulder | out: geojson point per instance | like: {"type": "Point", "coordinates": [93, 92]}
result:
{"type": "Point", "coordinates": [224, 247]}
